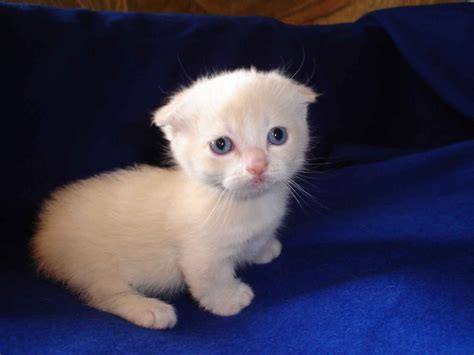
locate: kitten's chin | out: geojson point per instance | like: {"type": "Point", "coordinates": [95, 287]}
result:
{"type": "Point", "coordinates": [251, 190]}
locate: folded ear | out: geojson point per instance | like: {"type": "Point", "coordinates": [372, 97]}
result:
{"type": "Point", "coordinates": [170, 111]}
{"type": "Point", "coordinates": [309, 95]}
{"type": "Point", "coordinates": [168, 116]}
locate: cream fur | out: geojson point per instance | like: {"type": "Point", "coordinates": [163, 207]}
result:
{"type": "Point", "coordinates": [118, 236]}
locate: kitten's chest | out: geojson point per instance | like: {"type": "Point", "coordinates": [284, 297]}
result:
{"type": "Point", "coordinates": [250, 219]}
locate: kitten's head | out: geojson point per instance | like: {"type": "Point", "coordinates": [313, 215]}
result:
{"type": "Point", "coordinates": [242, 131]}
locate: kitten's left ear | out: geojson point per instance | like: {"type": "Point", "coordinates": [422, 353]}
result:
{"type": "Point", "coordinates": [168, 117]}
{"type": "Point", "coordinates": [309, 95]}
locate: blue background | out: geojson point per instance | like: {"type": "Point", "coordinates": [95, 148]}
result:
{"type": "Point", "coordinates": [380, 261]}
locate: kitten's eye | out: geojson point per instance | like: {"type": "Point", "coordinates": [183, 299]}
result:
{"type": "Point", "coordinates": [221, 145]}
{"type": "Point", "coordinates": [277, 135]}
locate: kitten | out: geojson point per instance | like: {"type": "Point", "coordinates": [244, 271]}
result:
{"type": "Point", "coordinates": [237, 138]}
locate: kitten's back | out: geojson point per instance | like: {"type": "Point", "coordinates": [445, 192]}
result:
{"type": "Point", "coordinates": [83, 224]}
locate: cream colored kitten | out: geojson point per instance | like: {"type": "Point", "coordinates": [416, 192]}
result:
{"type": "Point", "coordinates": [237, 138]}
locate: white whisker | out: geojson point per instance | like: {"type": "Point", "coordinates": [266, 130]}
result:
{"type": "Point", "coordinates": [228, 208]}
{"type": "Point", "coordinates": [214, 208]}
{"type": "Point", "coordinates": [290, 189]}
{"type": "Point", "coordinates": [300, 189]}
{"type": "Point", "coordinates": [299, 195]}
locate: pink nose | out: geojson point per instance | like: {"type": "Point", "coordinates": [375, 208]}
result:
{"type": "Point", "coordinates": [255, 161]}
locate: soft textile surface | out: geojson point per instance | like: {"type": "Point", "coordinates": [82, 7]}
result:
{"type": "Point", "coordinates": [381, 261]}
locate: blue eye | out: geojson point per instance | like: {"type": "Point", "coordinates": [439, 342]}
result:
{"type": "Point", "coordinates": [221, 145]}
{"type": "Point", "coordinates": [277, 135]}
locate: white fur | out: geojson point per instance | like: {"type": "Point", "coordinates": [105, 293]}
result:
{"type": "Point", "coordinates": [145, 230]}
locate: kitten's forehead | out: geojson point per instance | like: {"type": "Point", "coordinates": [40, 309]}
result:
{"type": "Point", "coordinates": [242, 96]}
{"type": "Point", "coordinates": [242, 116]}
{"type": "Point", "coordinates": [243, 102]}
{"type": "Point", "coordinates": [240, 88]}
{"type": "Point", "coordinates": [245, 98]}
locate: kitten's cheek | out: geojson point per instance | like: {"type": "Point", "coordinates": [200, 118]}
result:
{"type": "Point", "coordinates": [228, 184]}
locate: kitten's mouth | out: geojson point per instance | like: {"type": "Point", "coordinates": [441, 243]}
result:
{"type": "Point", "coordinates": [258, 180]}
{"type": "Point", "coordinates": [250, 188]}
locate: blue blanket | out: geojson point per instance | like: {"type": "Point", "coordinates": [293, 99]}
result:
{"type": "Point", "coordinates": [381, 260]}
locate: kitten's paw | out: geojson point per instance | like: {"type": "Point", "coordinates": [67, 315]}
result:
{"type": "Point", "coordinates": [151, 313]}
{"type": "Point", "coordinates": [270, 251]}
{"type": "Point", "coordinates": [228, 300]}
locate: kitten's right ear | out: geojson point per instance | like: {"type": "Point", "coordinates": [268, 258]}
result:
{"type": "Point", "coordinates": [168, 116]}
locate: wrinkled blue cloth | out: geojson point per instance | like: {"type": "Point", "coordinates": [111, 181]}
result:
{"type": "Point", "coordinates": [381, 260]}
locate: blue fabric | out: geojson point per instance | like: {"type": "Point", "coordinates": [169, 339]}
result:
{"type": "Point", "coordinates": [381, 262]}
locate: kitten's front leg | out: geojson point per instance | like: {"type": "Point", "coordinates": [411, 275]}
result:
{"type": "Point", "coordinates": [268, 252]}
{"type": "Point", "coordinates": [264, 248]}
{"type": "Point", "coordinates": [213, 284]}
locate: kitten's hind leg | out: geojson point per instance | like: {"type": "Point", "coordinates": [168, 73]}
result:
{"type": "Point", "coordinates": [120, 299]}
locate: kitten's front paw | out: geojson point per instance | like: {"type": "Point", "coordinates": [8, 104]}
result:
{"type": "Point", "coordinates": [270, 251]}
{"type": "Point", "coordinates": [150, 313]}
{"type": "Point", "coordinates": [227, 300]}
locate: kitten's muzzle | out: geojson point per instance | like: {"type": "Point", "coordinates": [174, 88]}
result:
{"type": "Point", "coordinates": [256, 163]}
